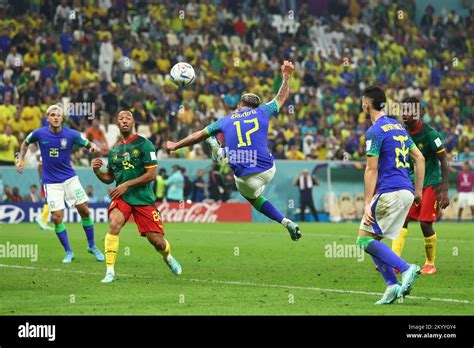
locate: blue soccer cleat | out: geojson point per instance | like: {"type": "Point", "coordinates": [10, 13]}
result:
{"type": "Point", "coordinates": [294, 230]}
{"type": "Point", "coordinates": [68, 257]}
{"type": "Point", "coordinates": [408, 278]}
{"type": "Point", "coordinates": [390, 295]}
{"type": "Point", "coordinates": [174, 265]}
{"type": "Point", "coordinates": [96, 252]}
{"type": "Point", "coordinates": [218, 153]}
{"type": "Point", "coordinates": [109, 278]}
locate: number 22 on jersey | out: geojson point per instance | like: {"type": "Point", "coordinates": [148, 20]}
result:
{"type": "Point", "coordinates": [238, 128]}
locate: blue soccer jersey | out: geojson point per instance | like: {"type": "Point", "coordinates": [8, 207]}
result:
{"type": "Point", "coordinates": [245, 134]}
{"type": "Point", "coordinates": [56, 152]}
{"type": "Point", "coordinates": [390, 142]}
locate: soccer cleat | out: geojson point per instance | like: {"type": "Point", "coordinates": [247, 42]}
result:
{"type": "Point", "coordinates": [96, 252]}
{"type": "Point", "coordinates": [408, 278]}
{"type": "Point", "coordinates": [390, 295]}
{"type": "Point", "coordinates": [109, 278]}
{"type": "Point", "coordinates": [294, 230]}
{"type": "Point", "coordinates": [41, 224]}
{"type": "Point", "coordinates": [216, 151]}
{"type": "Point", "coordinates": [174, 265]}
{"type": "Point", "coordinates": [428, 269]}
{"type": "Point", "coordinates": [68, 257]}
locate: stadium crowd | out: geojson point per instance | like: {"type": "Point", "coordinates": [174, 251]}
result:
{"type": "Point", "coordinates": [105, 55]}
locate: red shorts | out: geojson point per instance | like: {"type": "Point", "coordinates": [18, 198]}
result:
{"type": "Point", "coordinates": [43, 192]}
{"type": "Point", "coordinates": [147, 217]}
{"type": "Point", "coordinates": [428, 210]}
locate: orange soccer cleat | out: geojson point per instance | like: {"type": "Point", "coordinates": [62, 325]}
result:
{"type": "Point", "coordinates": [428, 269]}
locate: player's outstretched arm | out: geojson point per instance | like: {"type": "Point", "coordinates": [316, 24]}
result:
{"type": "Point", "coordinates": [21, 158]}
{"type": "Point", "coordinates": [443, 159]}
{"type": "Point", "coordinates": [106, 177]}
{"type": "Point", "coordinates": [191, 139]}
{"type": "Point", "coordinates": [284, 91]}
{"type": "Point", "coordinates": [419, 161]}
{"type": "Point", "coordinates": [370, 181]}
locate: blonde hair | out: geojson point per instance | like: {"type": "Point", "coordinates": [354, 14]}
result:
{"type": "Point", "coordinates": [53, 107]}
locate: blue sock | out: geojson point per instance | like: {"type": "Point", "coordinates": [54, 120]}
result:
{"type": "Point", "coordinates": [88, 226]}
{"type": "Point", "coordinates": [386, 271]}
{"type": "Point", "coordinates": [62, 235]}
{"type": "Point", "coordinates": [266, 208]}
{"type": "Point", "coordinates": [385, 254]}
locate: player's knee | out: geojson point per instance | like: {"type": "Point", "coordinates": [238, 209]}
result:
{"type": "Point", "coordinates": [57, 219]}
{"type": "Point", "coordinates": [115, 226]}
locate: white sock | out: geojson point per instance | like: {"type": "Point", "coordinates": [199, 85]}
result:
{"type": "Point", "coordinates": [110, 269]}
{"type": "Point", "coordinates": [285, 222]}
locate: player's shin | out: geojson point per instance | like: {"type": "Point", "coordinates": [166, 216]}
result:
{"type": "Point", "coordinates": [399, 243]}
{"type": "Point", "coordinates": [386, 271]}
{"type": "Point", "coordinates": [166, 251]}
{"type": "Point", "coordinates": [88, 225]}
{"type": "Point", "coordinates": [382, 252]}
{"type": "Point", "coordinates": [268, 209]}
{"type": "Point", "coordinates": [430, 249]}
{"type": "Point", "coordinates": [62, 236]}
{"type": "Point", "coordinates": [111, 249]}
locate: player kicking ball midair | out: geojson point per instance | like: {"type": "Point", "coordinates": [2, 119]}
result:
{"type": "Point", "coordinates": [245, 133]}
{"type": "Point", "coordinates": [60, 180]}
{"type": "Point", "coordinates": [132, 165]}
{"type": "Point", "coordinates": [388, 193]}
{"type": "Point", "coordinates": [435, 186]}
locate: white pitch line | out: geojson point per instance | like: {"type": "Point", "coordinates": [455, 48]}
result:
{"type": "Point", "coordinates": [240, 283]}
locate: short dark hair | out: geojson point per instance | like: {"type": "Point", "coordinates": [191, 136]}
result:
{"type": "Point", "coordinates": [377, 95]}
{"type": "Point", "coordinates": [413, 100]}
{"type": "Point", "coordinates": [250, 100]}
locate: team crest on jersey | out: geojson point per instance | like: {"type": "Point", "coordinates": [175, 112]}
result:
{"type": "Point", "coordinates": [136, 153]}
{"type": "Point", "coordinates": [419, 146]}
{"type": "Point", "coordinates": [63, 143]}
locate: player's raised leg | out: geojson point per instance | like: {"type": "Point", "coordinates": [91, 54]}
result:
{"type": "Point", "coordinates": [88, 226]}
{"type": "Point", "coordinates": [164, 248]}
{"type": "Point", "coordinates": [117, 220]}
{"type": "Point", "coordinates": [61, 233]}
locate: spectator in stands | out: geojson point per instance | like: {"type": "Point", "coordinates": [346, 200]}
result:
{"type": "Point", "coordinates": [198, 193]}
{"type": "Point", "coordinates": [15, 197]}
{"type": "Point", "coordinates": [465, 189]}
{"type": "Point", "coordinates": [175, 185]}
{"type": "Point", "coordinates": [8, 145]}
{"type": "Point", "coordinates": [216, 186]}
{"type": "Point", "coordinates": [305, 183]}
{"type": "Point", "coordinates": [31, 116]}
{"type": "Point", "coordinates": [7, 194]}
{"type": "Point", "coordinates": [188, 185]}
{"type": "Point", "coordinates": [160, 186]}
{"type": "Point", "coordinates": [95, 134]}
{"type": "Point", "coordinates": [90, 194]}
{"type": "Point", "coordinates": [32, 196]}
{"type": "Point", "coordinates": [7, 110]}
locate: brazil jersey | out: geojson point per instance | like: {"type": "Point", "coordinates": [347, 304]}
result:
{"type": "Point", "coordinates": [245, 134]}
{"type": "Point", "coordinates": [430, 142]}
{"type": "Point", "coordinates": [390, 142]}
{"type": "Point", "coordinates": [129, 160]}
{"type": "Point", "coordinates": [56, 152]}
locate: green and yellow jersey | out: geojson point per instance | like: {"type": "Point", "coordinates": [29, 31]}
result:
{"type": "Point", "coordinates": [430, 143]}
{"type": "Point", "coordinates": [129, 160]}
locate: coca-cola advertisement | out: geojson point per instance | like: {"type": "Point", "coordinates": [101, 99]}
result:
{"type": "Point", "coordinates": [205, 212]}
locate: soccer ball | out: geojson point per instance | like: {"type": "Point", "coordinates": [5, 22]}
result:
{"type": "Point", "coordinates": [182, 74]}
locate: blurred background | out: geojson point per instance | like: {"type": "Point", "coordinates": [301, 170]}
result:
{"type": "Point", "coordinates": [95, 57]}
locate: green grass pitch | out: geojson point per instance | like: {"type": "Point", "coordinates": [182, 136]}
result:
{"type": "Point", "coordinates": [230, 269]}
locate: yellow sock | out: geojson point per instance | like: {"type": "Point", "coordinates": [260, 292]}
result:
{"type": "Point", "coordinates": [430, 249]}
{"type": "Point", "coordinates": [167, 250]}
{"type": "Point", "coordinates": [45, 214]}
{"type": "Point", "coordinates": [111, 249]}
{"type": "Point", "coordinates": [399, 243]}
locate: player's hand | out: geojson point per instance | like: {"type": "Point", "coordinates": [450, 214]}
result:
{"type": "Point", "coordinates": [19, 167]}
{"type": "Point", "coordinates": [97, 163]}
{"type": "Point", "coordinates": [94, 148]}
{"type": "Point", "coordinates": [417, 199]}
{"type": "Point", "coordinates": [118, 191]}
{"type": "Point", "coordinates": [287, 68]}
{"type": "Point", "coordinates": [444, 199]}
{"type": "Point", "coordinates": [170, 146]}
{"type": "Point", "coordinates": [368, 218]}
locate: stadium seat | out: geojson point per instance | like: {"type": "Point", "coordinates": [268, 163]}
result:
{"type": "Point", "coordinates": [346, 203]}
{"type": "Point", "coordinates": [359, 205]}
{"type": "Point", "coordinates": [112, 134]}
{"type": "Point", "coordinates": [451, 212]}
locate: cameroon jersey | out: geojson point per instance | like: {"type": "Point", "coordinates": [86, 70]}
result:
{"type": "Point", "coordinates": [129, 160]}
{"type": "Point", "coordinates": [246, 134]}
{"type": "Point", "coordinates": [430, 142]}
{"type": "Point", "coordinates": [56, 152]}
{"type": "Point", "coordinates": [390, 142]}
